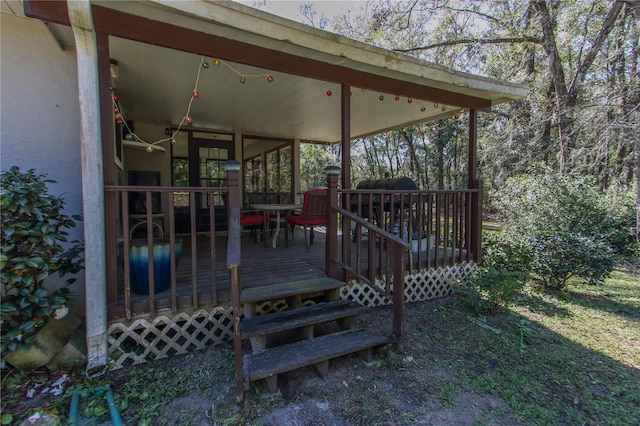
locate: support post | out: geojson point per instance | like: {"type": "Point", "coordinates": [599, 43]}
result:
{"type": "Point", "coordinates": [81, 19]}
{"type": "Point", "coordinates": [398, 295]}
{"type": "Point", "coordinates": [474, 183]}
{"type": "Point", "coordinates": [345, 140]}
{"type": "Point", "coordinates": [233, 264]}
{"type": "Point", "coordinates": [473, 143]}
{"type": "Point", "coordinates": [476, 221]}
{"type": "Point", "coordinates": [331, 247]}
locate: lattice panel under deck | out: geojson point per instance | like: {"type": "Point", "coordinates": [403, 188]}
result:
{"type": "Point", "coordinates": [144, 340]}
{"type": "Point", "coordinates": [423, 285]}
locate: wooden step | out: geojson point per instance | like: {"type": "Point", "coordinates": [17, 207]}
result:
{"type": "Point", "coordinates": [289, 357]}
{"type": "Point", "coordinates": [295, 318]}
{"type": "Point", "coordinates": [289, 289]}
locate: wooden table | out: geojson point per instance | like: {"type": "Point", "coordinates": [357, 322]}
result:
{"type": "Point", "coordinates": [286, 208]}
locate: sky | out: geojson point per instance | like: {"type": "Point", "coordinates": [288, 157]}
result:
{"type": "Point", "coordinates": [290, 9]}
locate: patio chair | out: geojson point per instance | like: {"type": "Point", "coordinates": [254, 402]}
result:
{"type": "Point", "coordinates": [255, 221]}
{"type": "Point", "coordinates": [315, 206]}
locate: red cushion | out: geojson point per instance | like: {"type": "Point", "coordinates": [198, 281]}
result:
{"type": "Point", "coordinates": [300, 220]}
{"type": "Point", "coordinates": [251, 220]}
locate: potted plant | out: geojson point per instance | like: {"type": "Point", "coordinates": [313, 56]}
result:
{"type": "Point", "coordinates": [34, 246]}
{"type": "Point", "coordinates": [139, 264]}
{"type": "Point", "coordinates": [419, 242]}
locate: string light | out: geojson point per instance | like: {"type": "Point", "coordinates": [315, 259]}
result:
{"type": "Point", "coordinates": [195, 94]}
{"type": "Point", "coordinates": [188, 119]}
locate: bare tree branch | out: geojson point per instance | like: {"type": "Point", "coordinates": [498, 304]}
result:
{"type": "Point", "coordinates": [522, 39]}
{"type": "Point", "coordinates": [586, 63]}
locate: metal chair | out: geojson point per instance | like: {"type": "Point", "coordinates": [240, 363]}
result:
{"type": "Point", "coordinates": [252, 220]}
{"type": "Point", "coordinates": [315, 207]}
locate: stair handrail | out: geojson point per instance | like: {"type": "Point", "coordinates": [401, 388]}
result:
{"type": "Point", "coordinates": [233, 264]}
{"type": "Point", "coordinates": [394, 284]}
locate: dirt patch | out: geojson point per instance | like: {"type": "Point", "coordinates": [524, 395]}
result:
{"type": "Point", "coordinates": [418, 385]}
{"type": "Point", "coordinates": [523, 366]}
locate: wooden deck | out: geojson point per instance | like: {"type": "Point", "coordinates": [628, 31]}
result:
{"type": "Point", "coordinates": [260, 265]}
{"type": "Point", "coordinates": [448, 231]}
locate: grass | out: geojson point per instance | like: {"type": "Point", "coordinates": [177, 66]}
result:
{"type": "Point", "coordinates": [562, 358]}
{"type": "Point", "coordinates": [553, 358]}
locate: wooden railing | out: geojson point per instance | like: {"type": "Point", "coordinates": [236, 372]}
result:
{"type": "Point", "coordinates": [377, 227]}
{"type": "Point", "coordinates": [194, 292]}
{"type": "Point", "coordinates": [383, 257]}
{"type": "Point", "coordinates": [386, 232]}
{"type": "Point", "coordinates": [440, 226]}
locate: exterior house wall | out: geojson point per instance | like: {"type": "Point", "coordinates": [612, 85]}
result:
{"type": "Point", "coordinates": [39, 126]}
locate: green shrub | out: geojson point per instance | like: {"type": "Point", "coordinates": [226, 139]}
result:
{"type": "Point", "coordinates": [559, 256]}
{"type": "Point", "coordinates": [620, 226]}
{"type": "Point", "coordinates": [33, 226]}
{"type": "Point", "coordinates": [566, 224]}
{"type": "Point", "coordinates": [501, 276]}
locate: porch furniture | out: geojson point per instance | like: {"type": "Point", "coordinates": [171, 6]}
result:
{"type": "Point", "coordinates": [252, 220]}
{"type": "Point", "coordinates": [286, 208]}
{"type": "Point", "coordinates": [375, 206]}
{"type": "Point", "coordinates": [315, 207]}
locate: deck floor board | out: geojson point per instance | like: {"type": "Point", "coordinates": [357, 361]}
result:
{"type": "Point", "coordinates": [260, 266]}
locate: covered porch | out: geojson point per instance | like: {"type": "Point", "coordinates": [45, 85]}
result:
{"type": "Point", "coordinates": [184, 88]}
{"type": "Point", "coordinates": [438, 225]}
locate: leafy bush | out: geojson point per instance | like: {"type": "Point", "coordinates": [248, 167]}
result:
{"type": "Point", "coordinates": [33, 226]}
{"type": "Point", "coordinates": [621, 224]}
{"type": "Point", "coordinates": [501, 275]}
{"type": "Point", "coordinates": [559, 256]}
{"type": "Point", "coordinates": [566, 224]}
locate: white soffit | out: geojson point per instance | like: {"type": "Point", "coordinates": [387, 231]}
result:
{"type": "Point", "coordinates": [238, 22]}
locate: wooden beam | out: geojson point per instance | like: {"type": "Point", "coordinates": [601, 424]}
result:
{"type": "Point", "coordinates": [473, 143]}
{"type": "Point", "coordinates": [144, 30]}
{"type": "Point", "coordinates": [345, 140]}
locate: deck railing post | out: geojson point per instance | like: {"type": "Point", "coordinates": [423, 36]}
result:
{"type": "Point", "coordinates": [476, 220]}
{"type": "Point", "coordinates": [233, 264]}
{"type": "Point", "coordinates": [398, 294]}
{"type": "Point", "coordinates": [331, 248]}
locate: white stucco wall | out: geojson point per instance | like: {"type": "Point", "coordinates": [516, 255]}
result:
{"type": "Point", "coordinates": [39, 112]}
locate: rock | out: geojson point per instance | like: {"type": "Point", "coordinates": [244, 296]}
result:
{"type": "Point", "coordinates": [73, 354]}
{"type": "Point", "coordinates": [41, 419]}
{"type": "Point", "coordinates": [49, 341]}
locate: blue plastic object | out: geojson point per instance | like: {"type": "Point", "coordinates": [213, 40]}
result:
{"type": "Point", "coordinates": [100, 391]}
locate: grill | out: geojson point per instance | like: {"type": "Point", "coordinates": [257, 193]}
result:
{"type": "Point", "coordinates": [382, 203]}
{"type": "Point", "coordinates": [361, 202]}
{"type": "Point", "coordinates": [401, 183]}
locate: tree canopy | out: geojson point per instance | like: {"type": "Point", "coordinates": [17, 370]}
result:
{"type": "Point", "coordinates": [579, 57]}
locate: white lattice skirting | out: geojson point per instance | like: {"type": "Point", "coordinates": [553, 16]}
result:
{"type": "Point", "coordinates": [145, 340]}
{"type": "Point", "coordinates": [419, 286]}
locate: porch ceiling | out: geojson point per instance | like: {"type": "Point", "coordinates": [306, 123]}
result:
{"type": "Point", "coordinates": [159, 46]}
{"type": "Point", "coordinates": [155, 85]}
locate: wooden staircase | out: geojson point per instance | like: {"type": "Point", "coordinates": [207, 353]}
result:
{"type": "Point", "coordinates": [298, 326]}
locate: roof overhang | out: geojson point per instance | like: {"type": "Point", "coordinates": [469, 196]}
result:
{"type": "Point", "coordinates": [159, 45]}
